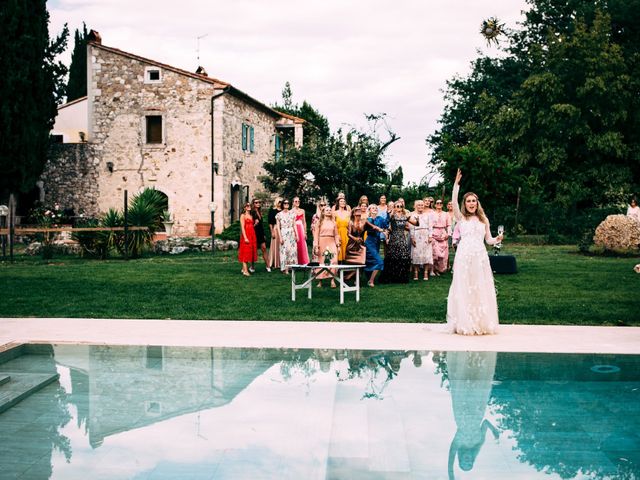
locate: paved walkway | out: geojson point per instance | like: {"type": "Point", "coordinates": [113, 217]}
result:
{"type": "Point", "coordinates": [361, 335]}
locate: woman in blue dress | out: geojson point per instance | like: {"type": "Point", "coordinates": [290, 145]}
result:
{"type": "Point", "coordinates": [374, 227]}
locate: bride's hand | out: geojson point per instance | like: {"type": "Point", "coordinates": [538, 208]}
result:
{"type": "Point", "coordinates": [458, 176]}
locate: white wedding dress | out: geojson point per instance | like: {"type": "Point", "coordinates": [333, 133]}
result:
{"type": "Point", "coordinates": [472, 308]}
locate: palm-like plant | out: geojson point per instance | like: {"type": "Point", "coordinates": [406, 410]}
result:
{"type": "Point", "coordinates": [146, 210]}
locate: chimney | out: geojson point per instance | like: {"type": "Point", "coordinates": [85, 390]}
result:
{"type": "Point", "coordinates": [94, 37]}
{"type": "Point", "coordinates": [201, 71]}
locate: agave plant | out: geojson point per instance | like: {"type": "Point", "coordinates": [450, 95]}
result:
{"type": "Point", "coordinates": [146, 210]}
{"type": "Point", "coordinates": [100, 243]}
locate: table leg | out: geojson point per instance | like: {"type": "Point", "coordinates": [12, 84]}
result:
{"type": "Point", "coordinates": [357, 284]}
{"type": "Point", "coordinates": [341, 286]}
{"type": "Point", "coordinates": [293, 285]}
{"type": "Point", "coordinates": [310, 280]}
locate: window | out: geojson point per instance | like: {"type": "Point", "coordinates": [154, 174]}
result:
{"type": "Point", "coordinates": [247, 138]}
{"type": "Point", "coordinates": [154, 128]}
{"type": "Point", "coordinates": [152, 75]}
{"type": "Point", "coordinates": [279, 146]}
{"type": "Point", "coordinates": [154, 357]}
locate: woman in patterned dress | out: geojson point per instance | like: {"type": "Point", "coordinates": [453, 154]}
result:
{"type": "Point", "coordinates": [247, 247]}
{"type": "Point", "coordinates": [288, 237]}
{"type": "Point", "coordinates": [441, 227]}
{"type": "Point", "coordinates": [472, 308]}
{"type": "Point", "coordinates": [397, 261]}
{"type": "Point", "coordinates": [341, 216]}
{"type": "Point", "coordinates": [421, 252]}
{"type": "Point", "coordinates": [301, 232]}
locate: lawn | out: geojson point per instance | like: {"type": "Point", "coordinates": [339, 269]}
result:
{"type": "Point", "coordinates": [555, 285]}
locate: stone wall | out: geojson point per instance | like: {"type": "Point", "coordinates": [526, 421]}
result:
{"type": "Point", "coordinates": [243, 166]}
{"type": "Point", "coordinates": [70, 178]}
{"type": "Point", "coordinates": [120, 99]}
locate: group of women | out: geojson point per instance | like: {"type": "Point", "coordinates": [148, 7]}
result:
{"type": "Point", "coordinates": [416, 245]}
{"type": "Point", "coordinates": [414, 242]}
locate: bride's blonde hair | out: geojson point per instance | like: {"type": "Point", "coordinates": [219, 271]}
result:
{"type": "Point", "coordinates": [479, 211]}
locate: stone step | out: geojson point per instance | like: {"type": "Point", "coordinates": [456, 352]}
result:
{"type": "Point", "coordinates": [4, 379]}
{"type": "Point", "coordinates": [21, 385]}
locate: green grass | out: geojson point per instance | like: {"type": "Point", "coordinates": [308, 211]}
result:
{"type": "Point", "coordinates": [555, 285]}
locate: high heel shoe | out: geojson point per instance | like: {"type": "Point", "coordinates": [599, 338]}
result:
{"type": "Point", "coordinates": [246, 274]}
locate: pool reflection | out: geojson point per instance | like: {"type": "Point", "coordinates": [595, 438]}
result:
{"type": "Point", "coordinates": [168, 412]}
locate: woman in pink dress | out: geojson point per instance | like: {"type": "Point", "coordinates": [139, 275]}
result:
{"type": "Point", "coordinates": [301, 232]}
{"type": "Point", "coordinates": [441, 229]}
{"type": "Point", "coordinates": [326, 238]}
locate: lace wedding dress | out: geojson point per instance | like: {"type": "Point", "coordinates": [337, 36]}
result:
{"type": "Point", "coordinates": [472, 308]}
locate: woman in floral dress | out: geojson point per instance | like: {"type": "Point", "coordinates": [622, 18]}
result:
{"type": "Point", "coordinates": [441, 227]}
{"type": "Point", "coordinates": [288, 237]}
{"type": "Point", "coordinates": [472, 308]}
{"type": "Point", "coordinates": [421, 252]}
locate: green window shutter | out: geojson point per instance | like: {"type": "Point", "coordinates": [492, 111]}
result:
{"type": "Point", "coordinates": [244, 137]}
{"type": "Point", "coordinates": [277, 142]}
{"type": "Point", "coordinates": [251, 139]}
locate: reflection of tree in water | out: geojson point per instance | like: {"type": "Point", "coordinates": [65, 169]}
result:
{"type": "Point", "coordinates": [380, 367]}
{"type": "Point", "coordinates": [567, 419]}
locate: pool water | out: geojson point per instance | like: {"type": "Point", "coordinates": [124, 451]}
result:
{"type": "Point", "coordinates": [208, 413]}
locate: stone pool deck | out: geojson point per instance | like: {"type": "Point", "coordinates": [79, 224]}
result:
{"type": "Point", "coordinates": [356, 335]}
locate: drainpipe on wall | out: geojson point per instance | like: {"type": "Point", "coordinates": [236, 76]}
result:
{"type": "Point", "coordinates": [214, 167]}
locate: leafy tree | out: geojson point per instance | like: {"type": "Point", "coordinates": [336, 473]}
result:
{"type": "Point", "coordinates": [31, 86]}
{"type": "Point", "coordinates": [77, 84]}
{"type": "Point", "coordinates": [555, 117]}
{"type": "Point", "coordinates": [350, 161]}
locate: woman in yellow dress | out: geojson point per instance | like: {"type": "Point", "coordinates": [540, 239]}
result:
{"type": "Point", "coordinates": [342, 216]}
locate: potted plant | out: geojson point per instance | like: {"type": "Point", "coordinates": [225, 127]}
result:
{"type": "Point", "coordinates": [167, 221]}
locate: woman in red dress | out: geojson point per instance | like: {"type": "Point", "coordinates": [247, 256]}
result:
{"type": "Point", "coordinates": [247, 247]}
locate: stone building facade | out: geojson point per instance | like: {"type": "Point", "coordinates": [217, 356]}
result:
{"type": "Point", "coordinates": [199, 140]}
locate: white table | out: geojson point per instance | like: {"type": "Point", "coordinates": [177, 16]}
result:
{"type": "Point", "coordinates": [316, 270]}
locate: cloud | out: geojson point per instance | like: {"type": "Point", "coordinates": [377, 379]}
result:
{"type": "Point", "coordinates": [345, 58]}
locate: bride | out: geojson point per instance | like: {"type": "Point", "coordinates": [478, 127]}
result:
{"type": "Point", "coordinates": [472, 308]}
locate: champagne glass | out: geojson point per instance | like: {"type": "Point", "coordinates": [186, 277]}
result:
{"type": "Point", "coordinates": [500, 232]}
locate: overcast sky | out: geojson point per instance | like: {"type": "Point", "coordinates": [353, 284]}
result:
{"type": "Point", "coordinates": [346, 58]}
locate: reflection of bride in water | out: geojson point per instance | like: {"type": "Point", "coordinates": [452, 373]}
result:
{"type": "Point", "coordinates": [470, 378]}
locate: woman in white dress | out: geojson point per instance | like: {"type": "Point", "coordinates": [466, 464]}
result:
{"type": "Point", "coordinates": [633, 210]}
{"type": "Point", "coordinates": [472, 308]}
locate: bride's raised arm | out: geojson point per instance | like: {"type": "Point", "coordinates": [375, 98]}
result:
{"type": "Point", "coordinates": [454, 196]}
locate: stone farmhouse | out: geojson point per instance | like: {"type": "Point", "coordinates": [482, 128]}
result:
{"type": "Point", "coordinates": [199, 140]}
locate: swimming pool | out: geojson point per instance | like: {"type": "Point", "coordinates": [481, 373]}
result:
{"type": "Point", "coordinates": [213, 413]}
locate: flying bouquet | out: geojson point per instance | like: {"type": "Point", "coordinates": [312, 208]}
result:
{"type": "Point", "coordinates": [491, 29]}
{"type": "Point", "coordinates": [328, 255]}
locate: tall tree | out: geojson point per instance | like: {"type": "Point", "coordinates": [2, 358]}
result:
{"type": "Point", "coordinates": [31, 84]}
{"type": "Point", "coordinates": [77, 84]}
{"type": "Point", "coordinates": [556, 117]}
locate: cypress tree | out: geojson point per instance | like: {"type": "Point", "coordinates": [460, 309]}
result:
{"type": "Point", "coordinates": [77, 85]}
{"type": "Point", "coordinates": [31, 83]}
